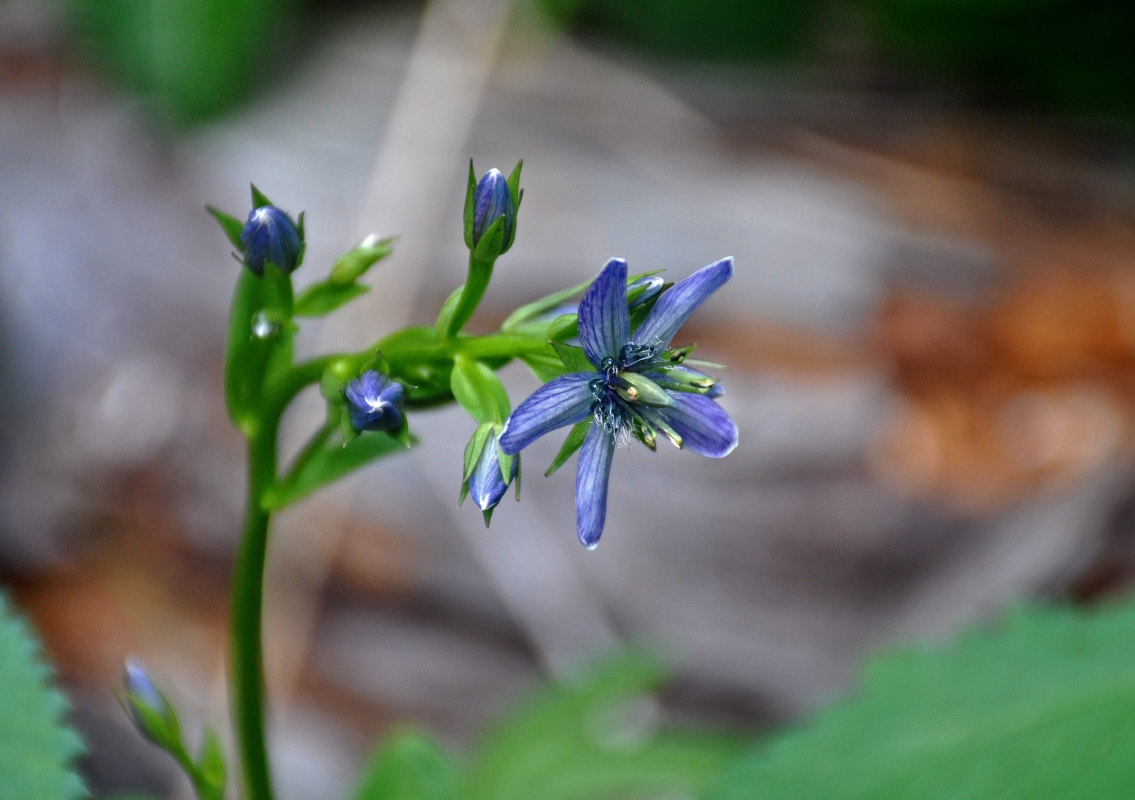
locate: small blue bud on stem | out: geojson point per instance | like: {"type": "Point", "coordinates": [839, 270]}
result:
{"type": "Point", "coordinates": [374, 402]}
{"type": "Point", "coordinates": [270, 236]}
{"type": "Point", "coordinates": [148, 707]}
{"type": "Point", "coordinates": [487, 483]}
{"type": "Point", "coordinates": [492, 201]}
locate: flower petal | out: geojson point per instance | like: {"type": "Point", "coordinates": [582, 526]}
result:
{"type": "Point", "coordinates": [604, 323]}
{"type": "Point", "coordinates": [565, 400]}
{"type": "Point", "coordinates": [591, 477]}
{"type": "Point", "coordinates": [703, 425]}
{"type": "Point", "coordinates": [679, 301]}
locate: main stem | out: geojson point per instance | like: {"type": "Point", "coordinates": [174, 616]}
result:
{"type": "Point", "coordinates": [246, 613]}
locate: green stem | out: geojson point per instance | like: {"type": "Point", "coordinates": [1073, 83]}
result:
{"type": "Point", "coordinates": [247, 604]}
{"type": "Point", "coordinates": [479, 273]}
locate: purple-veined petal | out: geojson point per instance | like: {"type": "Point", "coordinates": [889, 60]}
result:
{"type": "Point", "coordinates": [703, 425]}
{"type": "Point", "coordinates": [679, 301]}
{"type": "Point", "coordinates": [591, 477]}
{"type": "Point", "coordinates": [604, 323]}
{"type": "Point", "coordinates": [561, 401]}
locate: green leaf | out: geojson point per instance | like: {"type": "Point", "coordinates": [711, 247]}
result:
{"type": "Point", "coordinates": [545, 368]}
{"type": "Point", "coordinates": [37, 747]}
{"type": "Point", "coordinates": [1040, 708]}
{"type": "Point", "coordinates": [591, 740]}
{"type": "Point", "coordinates": [564, 327]}
{"type": "Point", "coordinates": [229, 224]}
{"type": "Point", "coordinates": [326, 459]}
{"type": "Point", "coordinates": [410, 766]}
{"type": "Point", "coordinates": [211, 766]}
{"type": "Point", "coordinates": [575, 360]}
{"type": "Point", "coordinates": [479, 391]}
{"type": "Point", "coordinates": [324, 297]}
{"type": "Point", "coordinates": [353, 264]}
{"type": "Point", "coordinates": [538, 307]}
{"type": "Point", "coordinates": [572, 443]}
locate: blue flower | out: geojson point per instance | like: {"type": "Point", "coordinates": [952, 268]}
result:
{"type": "Point", "coordinates": [638, 388]}
{"type": "Point", "coordinates": [492, 200]}
{"type": "Point", "coordinates": [374, 402]}
{"type": "Point", "coordinates": [487, 483]}
{"type": "Point", "coordinates": [270, 236]}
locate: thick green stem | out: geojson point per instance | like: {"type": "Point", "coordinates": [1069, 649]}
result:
{"type": "Point", "coordinates": [479, 274]}
{"type": "Point", "coordinates": [247, 606]}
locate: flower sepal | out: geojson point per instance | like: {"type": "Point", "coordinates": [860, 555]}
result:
{"type": "Point", "coordinates": [575, 360]}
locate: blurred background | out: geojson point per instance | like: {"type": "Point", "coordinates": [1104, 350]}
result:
{"type": "Point", "coordinates": [930, 340]}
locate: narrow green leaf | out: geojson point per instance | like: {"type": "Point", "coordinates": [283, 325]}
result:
{"type": "Point", "coordinates": [353, 264]}
{"type": "Point", "coordinates": [326, 296]}
{"type": "Point", "coordinates": [538, 307]}
{"type": "Point", "coordinates": [327, 460]}
{"type": "Point", "coordinates": [572, 443]}
{"type": "Point", "coordinates": [211, 766]}
{"type": "Point", "coordinates": [410, 766]}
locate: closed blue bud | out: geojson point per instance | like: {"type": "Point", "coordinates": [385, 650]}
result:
{"type": "Point", "coordinates": [140, 686]}
{"type": "Point", "coordinates": [270, 236]}
{"type": "Point", "coordinates": [486, 483]}
{"type": "Point", "coordinates": [152, 714]}
{"type": "Point", "coordinates": [374, 402]}
{"type": "Point", "coordinates": [492, 200]}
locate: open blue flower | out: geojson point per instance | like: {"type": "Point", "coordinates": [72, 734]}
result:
{"type": "Point", "coordinates": [638, 388]}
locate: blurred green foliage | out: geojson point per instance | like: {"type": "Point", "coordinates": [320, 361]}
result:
{"type": "Point", "coordinates": [189, 59]}
{"type": "Point", "coordinates": [594, 738]}
{"type": "Point", "coordinates": [1069, 56]}
{"type": "Point", "coordinates": [1041, 708]}
{"type": "Point", "coordinates": [1073, 56]}
{"type": "Point", "coordinates": [723, 30]}
{"type": "Point", "coordinates": [37, 747]}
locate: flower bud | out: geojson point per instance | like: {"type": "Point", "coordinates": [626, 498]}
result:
{"type": "Point", "coordinates": [148, 708]}
{"type": "Point", "coordinates": [492, 200]}
{"type": "Point", "coordinates": [644, 290]}
{"type": "Point", "coordinates": [270, 236]}
{"type": "Point", "coordinates": [486, 483]}
{"type": "Point", "coordinates": [374, 402]}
